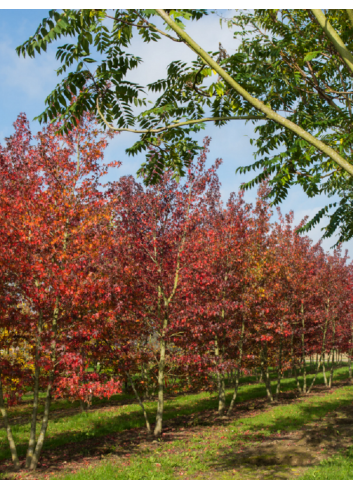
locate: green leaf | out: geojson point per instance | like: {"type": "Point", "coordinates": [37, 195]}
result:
{"type": "Point", "coordinates": [311, 55]}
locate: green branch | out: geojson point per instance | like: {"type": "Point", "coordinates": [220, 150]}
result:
{"type": "Point", "coordinates": [334, 37]}
{"type": "Point", "coordinates": [270, 114]}
{"type": "Point", "coordinates": [177, 124]}
{"type": "Point", "coordinates": [350, 15]}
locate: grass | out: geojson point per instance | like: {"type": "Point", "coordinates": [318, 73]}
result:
{"type": "Point", "coordinates": [174, 459]}
{"type": "Point", "coordinates": [339, 467]}
{"type": "Point", "coordinates": [98, 423]}
{"type": "Point", "coordinates": [214, 453]}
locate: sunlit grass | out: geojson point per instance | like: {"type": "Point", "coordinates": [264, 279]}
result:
{"type": "Point", "coordinates": [101, 422]}
{"type": "Point", "coordinates": [214, 453]}
{"type": "Point", "coordinates": [339, 467]}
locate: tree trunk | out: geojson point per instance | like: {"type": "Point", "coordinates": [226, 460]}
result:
{"type": "Point", "coordinates": [265, 373]}
{"type": "Point", "coordinates": [32, 435]}
{"type": "Point", "coordinates": [303, 350]}
{"type": "Point", "coordinates": [236, 386]}
{"type": "Point", "coordinates": [10, 438]}
{"type": "Point", "coordinates": [43, 429]}
{"type": "Point", "coordinates": [237, 372]}
{"type": "Point", "coordinates": [160, 406]}
{"type": "Point", "coordinates": [83, 406]}
{"type": "Point", "coordinates": [314, 379]}
{"type": "Point", "coordinates": [221, 393]}
{"type": "Point", "coordinates": [333, 356]}
{"type": "Point", "coordinates": [295, 371]}
{"type": "Point", "coordinates": [148, 426]}
{"type": "Point", "coordinates": [331, 372]}
{"type": "Point", "coordinates": [321, 357]}
{"type": "Point", "coordinates": [279, 370]}
{"type": "Point", "coordinates": [37, 451]}
{"type": "Point", "coordinates": [294, 366]}
{"type": "Point", "coordinates": [220, 382]}
{"type": "Point", "coordinates": [324, 370]}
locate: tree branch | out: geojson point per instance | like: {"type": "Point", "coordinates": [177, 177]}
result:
{"type": "Point", "coordinates": [258, 104]}
{"type": "Point", "coordinates": [334, 38]}
{"type": "Point", "coordinates": [148, 26]}
{"type": "Point", "coordinates": [350, 15]}
{"type": "Point", "coordinates": [177, 124]}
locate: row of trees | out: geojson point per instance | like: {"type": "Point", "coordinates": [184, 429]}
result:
{"type": "Point", "coordinates": [102, 285]}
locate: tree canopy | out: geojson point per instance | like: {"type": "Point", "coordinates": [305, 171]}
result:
{"type": "Point", "coordinates": [290, 76]}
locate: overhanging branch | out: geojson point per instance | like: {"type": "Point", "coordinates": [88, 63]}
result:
{"type": "Point", "coordinates": [177, 124]}
{"type": "Point", "coordinates": [258, 104]}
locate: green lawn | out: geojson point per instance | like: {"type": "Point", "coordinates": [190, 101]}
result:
{"type": "Point", "coordinates": [177, 459]}
{"type": "Point", "coordinates": [190, 460]}
{"type": "Point", "coordinates": [339, 467]}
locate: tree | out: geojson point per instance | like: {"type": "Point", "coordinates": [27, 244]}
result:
{"type": "Point", "coordinates": [309, 83]}
{"type": "Point", "coordinates": [221, 290]}
{"type": "Point", "coordinates": [160, 225]}
{"type": "Point", "coordinates": [214, 289]}
{"type": "Point", "coordinates": [55, 226]}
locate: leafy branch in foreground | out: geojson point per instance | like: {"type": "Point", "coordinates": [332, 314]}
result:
{"type": "Point", "coordinates": [291, 73]}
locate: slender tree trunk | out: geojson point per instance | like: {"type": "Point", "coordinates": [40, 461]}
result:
{"type": "Point", "coordinates": [10, 438]}
{"type": "Point", "coordinates": [32, 436]}
{"type": "Point", "coordinates": [221, 393]}
{"type": "Point", "coordinates": [220, 382]}
{"type": "Point", "coordinates": [333, 356]}
{"type": "Point", "coordinates": [39, 445]}
{"type": "Point", "coordinates": [294, 366]}
{"type": "Point", "coordinates": [303, 350]}
{"type": "Point", "coordinates": [231, 377]}
{"type": "Point", "coordinates": [260, 376]}
{"type": "Point", "coordinates": [279, 370]}
{"type": "Point", "coordinates": [330, 380]}
{"type": "Point", "coordinates": [324, 370]}
{"type": "Point", "coordinates": [83, 406]}
{"type": "Point", "coordinates": [295, 371]}
{"type": "Point", "coordinates": [236, 386]}
{"type": "Point", "coordinates": [43, 429]}
{"type": "Point", "coordinates": [145, 415]}
{"type": "Point", "coordinates": [321, 357]}
{"type": "Point", "coordinates": [238, 370]}
{"type": "Point", "coordinates": [316, 372]}
{"type": "Point", "coordinates": [268, 384]}
{"type": "Point", "coordinates": [220, 375]}
{"type": "Point", "coordinates": [160, 406]}
{"type": "Point", "coordinates": [265, 373]}
{"type": "Point", "coordinates": [350, 355]}
{"type": "Point", "coordinates": [145, 378]}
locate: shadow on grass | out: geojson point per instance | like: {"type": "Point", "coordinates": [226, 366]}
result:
{"type": "Point", "coordinates": [118, 430]}
{"type": "Point", "coordinates": [280, 450]}
{"type": "Point", "coordinates": [288, 437]}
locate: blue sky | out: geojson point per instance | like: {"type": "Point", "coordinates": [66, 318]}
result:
{"type": "Point", "coordinates": [25, 83]}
